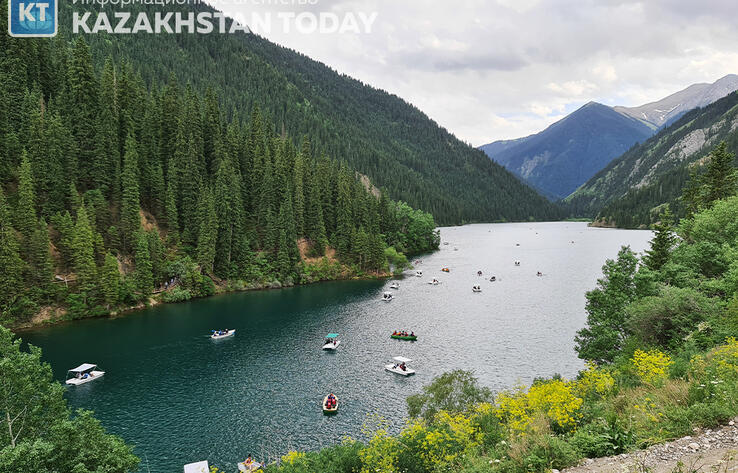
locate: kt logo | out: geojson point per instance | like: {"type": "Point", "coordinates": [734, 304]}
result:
{"type": "Point", "coordinates": [29, 19]}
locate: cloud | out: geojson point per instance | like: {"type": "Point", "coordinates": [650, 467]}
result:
{"type": "Point", "coordinates": [490, 70]}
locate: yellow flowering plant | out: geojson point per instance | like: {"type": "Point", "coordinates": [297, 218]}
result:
{"type": "Point", "coordinates": [594, 382]}
{"type": "Point", "coordinates": [651, 366]}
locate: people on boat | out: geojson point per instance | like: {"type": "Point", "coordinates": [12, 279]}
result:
{"type": "Point", "coordinates": [412, 334]}
{"type": "Point", "coordinates": [248, 460]}
{"type": "Point", "coordinates": [493, 279]}
{"type": "Point", "coordinates": [539, 274]}
{"type": "Point", "coordinates": [479, 273]}
{"type": "Point", "coordinates": [402, 366]}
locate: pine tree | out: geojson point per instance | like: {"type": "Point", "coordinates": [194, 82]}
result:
{"type": "Point", "coordinates": [142, 275]}
{"type": "Point", "coordinates": [299, 206]}
{"type": "Point", "coordinates": [720, 178]}
{"type": "Point", "coordinates": [208, 231]}
{"type": "Point", "coordinates": [11, 283]}
{"type": "Point", "coordinates": [83, 109]}
{"type": "Point", "coordinates": [83, 256]}
{"type": "Point", "coordinates": [172, 219]}
{"type": "Point", "coordinates": [110, 281]}
{"type": "Point", "coordinates": [130, 219]}
{"type": "Point", "coordinates": [26, 221]}
{"type": "Point", "coordinates": [157, 252]}
{"type": "Point", "coordinates": [42, 267]}
{"type": "Point", "coordinates": [662, 243]}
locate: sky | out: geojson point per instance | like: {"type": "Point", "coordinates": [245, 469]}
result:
{"type": "Point", "coordinates": [502, 69]}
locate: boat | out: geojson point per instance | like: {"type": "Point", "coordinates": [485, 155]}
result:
{"type": "Point", "coordinates": [419, 273]}
{"type": "Point", "coordinates": [517, 263]}
{"type": "Point", "coordinates": [395, 285]}
{"type": "Point", "coordinates": [328, 406]}
{"type": "Point", "coordinates": [331, 342]}
{"type": "Point", "coordinates": [477, 288]}
{"type": "Point", "coordinates": [445, 243]}
{"type": "Point", "coordinates": [445, 270]}
{"type": "Point", "coordinates": [493, 279]}
{"type": "Point", "coordinates": [479, 273]}
{"type": "Point", "coordinates": [248, 467]}
{"type": "Point", "coordinates": [434, 282]}
{"type": "Point", "coordinates": [84, 373]}
{"type": "Point", "coordinates": [456, 249]}
{"type": "Point", "coordinates": [397, 336]}
{"type": "Point", "coordinates": [197, 467]}
{"type": "Point", "coordinates": [387, 296]}
{"type": "Point", "coordinates": [400, 366]}
{"type": "Point", "coordinates": [218, 334]}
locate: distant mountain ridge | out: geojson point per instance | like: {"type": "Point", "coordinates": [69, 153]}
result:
{"type": "Point", "coordinates": [564, 155]}
{"type": "Point", "coordinates": [630, 190]}
{"type": "Point", "coordinates": [669, 109]}
{"type": "Point", "coordinates": [568, 153]}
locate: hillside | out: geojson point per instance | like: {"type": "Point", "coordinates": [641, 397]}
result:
{"type": "Point", "coordinates": [654, 173]}
{"type": "Point", "coordinates": [566, 154]}
{"type": "Point", "coordinates": [376, 133]}
{"type": "Point", "coordinates": [669, 109]}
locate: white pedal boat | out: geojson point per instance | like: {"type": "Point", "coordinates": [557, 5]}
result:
{"type": "Point", "coordinates": [84, 373]}
{"type": "Point", "coordinates": [387, 297]}
{"type": "Point", "coordinates": [400, 366]}
{"type": "Point", "coordinates": [434, 282]}
{"type": "Point", "coordinates": [419, 273]}
{"type": "Point", "coordinates": [395, 285]}
{"type": "Point", "coordinates": [218, 334]}
{"type": "Point", "coordinates": [331, 342]}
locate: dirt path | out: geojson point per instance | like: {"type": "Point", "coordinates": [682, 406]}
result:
{"type": "Point", "coordinates": [710, 450]}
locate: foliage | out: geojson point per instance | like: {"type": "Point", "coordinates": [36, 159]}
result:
{"type": "Point", "coordinates": [453, 392]}
{"type": "Point", "coordinates": [651, 366]}
{"type": "Point", "coordinates": [39, 432]}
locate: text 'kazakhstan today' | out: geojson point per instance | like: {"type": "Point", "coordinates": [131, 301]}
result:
{"type": "Point", "coordinates": [216, 22]}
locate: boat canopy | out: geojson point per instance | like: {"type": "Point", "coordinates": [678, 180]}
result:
{"type": "Point", "coordinates": [387, 293]}
{"type": "Point", "coordinates": [198, 467]}
{"type": "Point", "coordinates": [83, 368]}
{"type": "Point", "coordinates": [402, 359]}
{"type": "Point", "coordinates": [332, 335]}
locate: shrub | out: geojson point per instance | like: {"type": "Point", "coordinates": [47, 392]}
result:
{"type": "Point", "coordinates": [594, 383]}
{"type": "Point", "coordinates": [176, 295]}
{"type": "Point", "coordinates": [651, 366]}
{"type": "Point", "coordinates": [454, 392]}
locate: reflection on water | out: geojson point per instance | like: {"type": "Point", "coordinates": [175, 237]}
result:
{"type": "Point", "coordinates": [180, 396]}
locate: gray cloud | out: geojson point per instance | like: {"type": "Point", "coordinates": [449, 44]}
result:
{"type": "Point", "coordinates": [489, 70]}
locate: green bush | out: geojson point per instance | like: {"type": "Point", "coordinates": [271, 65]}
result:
{"type": "Point", "coordinates": [176, 295]}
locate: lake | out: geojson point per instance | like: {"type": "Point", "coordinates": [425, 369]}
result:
{"type": "Point", "coordinates": [180, 397]}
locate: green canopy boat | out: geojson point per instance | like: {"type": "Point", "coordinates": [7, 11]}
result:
{"type": "Point", "coordinates": [404, 337]}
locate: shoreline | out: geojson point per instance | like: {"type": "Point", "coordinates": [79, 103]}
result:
{"type": "Point", "coordinates": [155, 300]}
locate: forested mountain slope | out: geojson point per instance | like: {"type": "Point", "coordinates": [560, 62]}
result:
{"type": "Point", "coordinates": [564, 155]}
{"type": "Point", "coordinates": [631, 188]}
{"type": "Point", "coordinates": [112, 193]}
{"type": "Point", "coordinates": [377, 133]}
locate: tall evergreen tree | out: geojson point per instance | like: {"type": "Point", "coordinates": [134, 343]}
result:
{"type": "Point", "coordinates": [11, 283]}
{"type": "Point", "coordinates": [83, 255]}
{"type": "Point", "coordinates": [143, 276]}
{"type": "Point", "coordinates": [662, 243]}
{"type": "Point", "coordinates": [110, 281]}
{"type": "Point", "coordinates": [42, 267]}
{"type": "Point", "coordinates": [720, 178]}
{"type": "Point", "coordinates": [130, 220]}
{"type": "Point", "coordinates": [26, 213]}
{"type": "Point", "coordinates": [208, 234]}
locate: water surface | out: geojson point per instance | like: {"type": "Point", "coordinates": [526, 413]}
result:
{"type": "Point", "coordinates": [181, 397]}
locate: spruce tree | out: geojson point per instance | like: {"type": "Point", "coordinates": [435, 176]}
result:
{"type": "Point", "coordinates": [25, 215]}
{"type": "Point", "coordinates": [720, 178]}
{"type": "Point", "coordinates": [110, 281]}
{"type": "Point", "coordinates": [662, 243]}
{"type": "Point", "coordinates": [142, 275]}
{"type": "Point", "coordinates": [83, 109]}
{"type": "Point", "coordinates": [42, 267]}
{"type": "Point", "coordinates": [83, 255]}
{"type": "Point", "coordinates": [130, 219]}
{"type": "Point", "coordinates": [208, 233]}
{"type": "Point", "coordinates": [11, 283]}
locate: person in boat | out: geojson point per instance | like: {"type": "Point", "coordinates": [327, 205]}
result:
{"type": "Point", "coordinates": [479, 273]}
{"type": "Point", "coordinates": [540, 273]}
{"type": "Point", "coordinates": [412, 334]}
{"type": "Point", "coordinates": [402, 366]}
